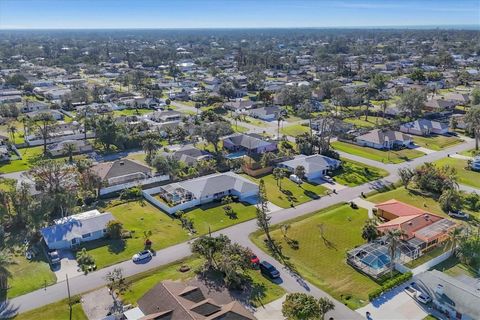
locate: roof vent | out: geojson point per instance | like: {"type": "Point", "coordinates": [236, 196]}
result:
{"type": "Point", "coordinates": [122, 163]}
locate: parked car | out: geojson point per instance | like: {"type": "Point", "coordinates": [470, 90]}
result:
{"type": "Point", "coordinates": [459, 214]}
{"type": "Point", "coordinates": [423, 298]}
{"type": "Point", "coordinates": [411, 291]}
{"type": "Point", "coordinates": [254, 261]}
{"type": "Point", "coordinates": [268, 270]}
{"type": "Point", "coordinates": [145, 254]}
{"type": "Point", "coordinates": [328, 179]}
{"type": "Point", "coordinates": [295, 178]}
{"type": "Point", "coordinates": [54, 256]}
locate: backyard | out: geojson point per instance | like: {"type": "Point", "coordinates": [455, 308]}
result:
{"type": "Point", "coordinates": [29, 155]}
{"type": "Point", "coordinates": [464, 176]}
{"type": "Point", "coordinates": [370, 123]}
{"type": "Point", "coordinates": [392, 156]}
{"type": "Point", "coordinates": [436, 142]}
{"type": "Point", "coordinates": [132, 112]}
{"type": "Point", "coordinates": [166, 231]}
{"type": "Point", "coordinates": [298, 193]}
{"type": "Point", "coordinates": [354, 173]}
{"type": "Point", "coordinates": [323, 239]}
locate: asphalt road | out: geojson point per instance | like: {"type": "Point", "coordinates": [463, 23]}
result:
{"type": "Point", "coordinates": [239, 233]}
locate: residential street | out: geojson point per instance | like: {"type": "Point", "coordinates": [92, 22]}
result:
{"type": "Point", "coordinates": [239, 233]}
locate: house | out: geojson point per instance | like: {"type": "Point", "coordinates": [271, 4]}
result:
{"type": "Point", "coordinates": [266, 113]}
{"type": "Point", "coordinates": [238, 106]}
{"type": "Point", "coordinates": [438, 105]}
{"type": "Point", "coordinates": [4, 153]}
{"type": "Point", "coordinates": [334, 125]}
{"type": "Point", "coordinates": [80, 146]}
{"type": "Point", "coordinates": [250, 143]}
{"type": "Point", "coordinates": [33, 106]}
{"type": "Point", "coordinates": [193, 300]}
{"type": "Point", "coordinates": [421, 229]}
{"type": "Point", "coordinates": [316, 166]}
{"type": "Point", "coordinates": [165, 116]}
{"type": "Point", "coordinates": [190, 193]}
{"type": "Point", "coordinates": [451, 297]}
{"type": "Point", "coordinates": [191, 155]}
{"type": "Point", "coordinates": [71, 231]}
{"type": "Point", "coordinates": [121, 171]}
{"type": "Point", "coordinates": [57, 115]}
{"type": "Point", "coordinates": [384, 139]}
{"type": "Point", "coordinates": [424, 127]}
{"type": "Point", "coordinates": [475, 164]}
{"type": "Point", "coordinates": [458, 98]}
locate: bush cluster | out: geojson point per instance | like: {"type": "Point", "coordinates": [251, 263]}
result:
{"type": "Point", "coordinates": [389, 285]}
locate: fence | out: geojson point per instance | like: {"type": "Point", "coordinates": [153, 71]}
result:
{"type": "Point", "coordinates": [426, 266]}
{"type": "Point", "coordinates": [144, 182]}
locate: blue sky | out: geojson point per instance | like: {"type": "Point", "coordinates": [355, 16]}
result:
{"type": "Point", "coordinates": [234, 13]}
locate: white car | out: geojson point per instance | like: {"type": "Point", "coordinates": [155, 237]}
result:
{"type": "Point", "coordinates": [295, 178]}
{"type": "Point", "coordinates": [423, 298]}
{"type": "Point", "coordinates": [145, 254]}
{"type": "Point", "coordinates": [458, 214]}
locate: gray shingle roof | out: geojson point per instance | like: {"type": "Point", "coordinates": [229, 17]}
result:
{"type": "Point", "coordinates": [248, 141]}
{"type": "Point", "coordinates": [312, 163]}
{"type": "Point", "coordinates": [379, 137]}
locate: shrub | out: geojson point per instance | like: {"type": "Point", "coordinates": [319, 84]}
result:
{"type": "Point", "coordinates": [389, 284]}
{"type": "Point", "coordinates": [114, 229]}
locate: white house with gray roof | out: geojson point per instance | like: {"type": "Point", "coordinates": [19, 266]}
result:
{"type": "Point", "coordinates": [424, 127]}
{"type": "Point", "coordinates": [71, 231]}
{"type": "Point", "coordinates": [316, 166]}
{"type": "Point", "coordinates": [190, 193]}
{"type": "Point", "coordinates": [384, 139]}
{"type": "Point", "coordinates": [454, 298]}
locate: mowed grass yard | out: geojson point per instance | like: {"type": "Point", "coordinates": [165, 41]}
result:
{"type": "Point", "coordinates": [436, 142]}
{"type": "Point", "coordinates": [29, 155]}
{"type": "Point", "coordinates": [294, 130]}
{"type": "Point", "coordinates": [464, 175]}
{"type": "Point", "coordinates": [354, 173]}
{"type": "Point", "coordinates": [263, 290]}
{"type": "Point", "coordinates": [322, 261]}
{"type": "Point", "coordinates": [393, 156]}
{"type": "Point", "coordinates": [55, 311]}
{"type": "Point", "coordinates": [166, 231]}
{"type": "Point", "coordinates": [370, 123]}
{"type": "Point", "coordinates": [28, 275]}
{"type": "Point", "coordinates": [299, 193]}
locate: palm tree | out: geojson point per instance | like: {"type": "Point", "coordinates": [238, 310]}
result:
{"type": "Point", "coordinates": [150, 145]}
{"type": "Point", "coordinates": [325, 305]}
{"type": "Point", "coordinates": [5, 262]}
{"type": "Point", "coordinates": [12, 130]}
{"type": "Point", "coordinates": [279, 121]}
{"type": "Point", "coordinates": [455, 235]}
{"type": "Point", "coordinates": [69, 148]}
{"type": "Point", "coordinates": [393, 238]}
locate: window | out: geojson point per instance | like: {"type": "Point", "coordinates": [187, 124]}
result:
{"type": "Point", "coordinates": [86, 235]}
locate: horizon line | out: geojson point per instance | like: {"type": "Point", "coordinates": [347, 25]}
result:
{"type": "Point", "coordinates": [413, 26]}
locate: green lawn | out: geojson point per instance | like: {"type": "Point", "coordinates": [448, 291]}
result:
{"type": "Point", "coordinates": [469, 153]}
{"type": "Point", "coordinates": [454, 268]}
{"type": "Point", "coordinates": [370, 123]}
{"type": "Point", "coordinates": [322, 261]}
{"type": "Point", "coordinates": [464, 176]}
{"type": "Point", "coordinates": [294, 130]}
{"type": "Point", "coordinates": [55, 311]}
{"type": "Point", "coordinates": [393, 156]}
{"type": "Point", "coordinates": [29, 155]}
{"type": "Point", "coordinates": [412, 197]}
{"type": "Point", "coordinates": [28, 275]}
{"type": "Point", "coordinates": [436, 142]}
{"type": "Point", "coordinates": [265, 292]}
{"type": "Point", "coordinates": [354, 173]}
{"type": "Point", "coordinates": [435, 252]}
{"type": "Point", "coordinates": [166, 231]}
{"type": "Point", "coordinates": [132, 112]}
{"type": "Point", "coordinates": [300, 194]}
{"type": "Point", "coordinates": [239, 128]}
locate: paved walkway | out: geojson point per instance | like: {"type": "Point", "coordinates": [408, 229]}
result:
{"type": "Point", "coordinates": [425, 150]}
{"type": "Point", "coordinates": [362, 203]}
{"type": "Point", "coordinates": [460, 156]}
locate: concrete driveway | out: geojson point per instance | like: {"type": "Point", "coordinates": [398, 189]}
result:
{"type": "Point", "coordinates": [97, 304]}
{"type": "Point", "coordinates": [394, 305]}
{"type": "Point", "coordinates": [68, 265]}
{"type": "Point", "coordinates": [271, 311]}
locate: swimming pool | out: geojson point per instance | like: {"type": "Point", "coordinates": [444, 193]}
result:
{"type": "Point", "coordinates": [235, 155]}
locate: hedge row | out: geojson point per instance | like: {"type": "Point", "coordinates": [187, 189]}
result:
{"type": "Point", "coordinates": [389, 285]}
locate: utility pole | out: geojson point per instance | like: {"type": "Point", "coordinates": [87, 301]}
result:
{"type": "Point", "coordinates": [69, 298]}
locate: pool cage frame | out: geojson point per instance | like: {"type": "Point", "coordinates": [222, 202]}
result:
{"type": "Point", "coordinates": [405, 253]}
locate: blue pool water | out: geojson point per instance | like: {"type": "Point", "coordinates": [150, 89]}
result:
{"type": "Point", "coordinates": [236, 155]}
